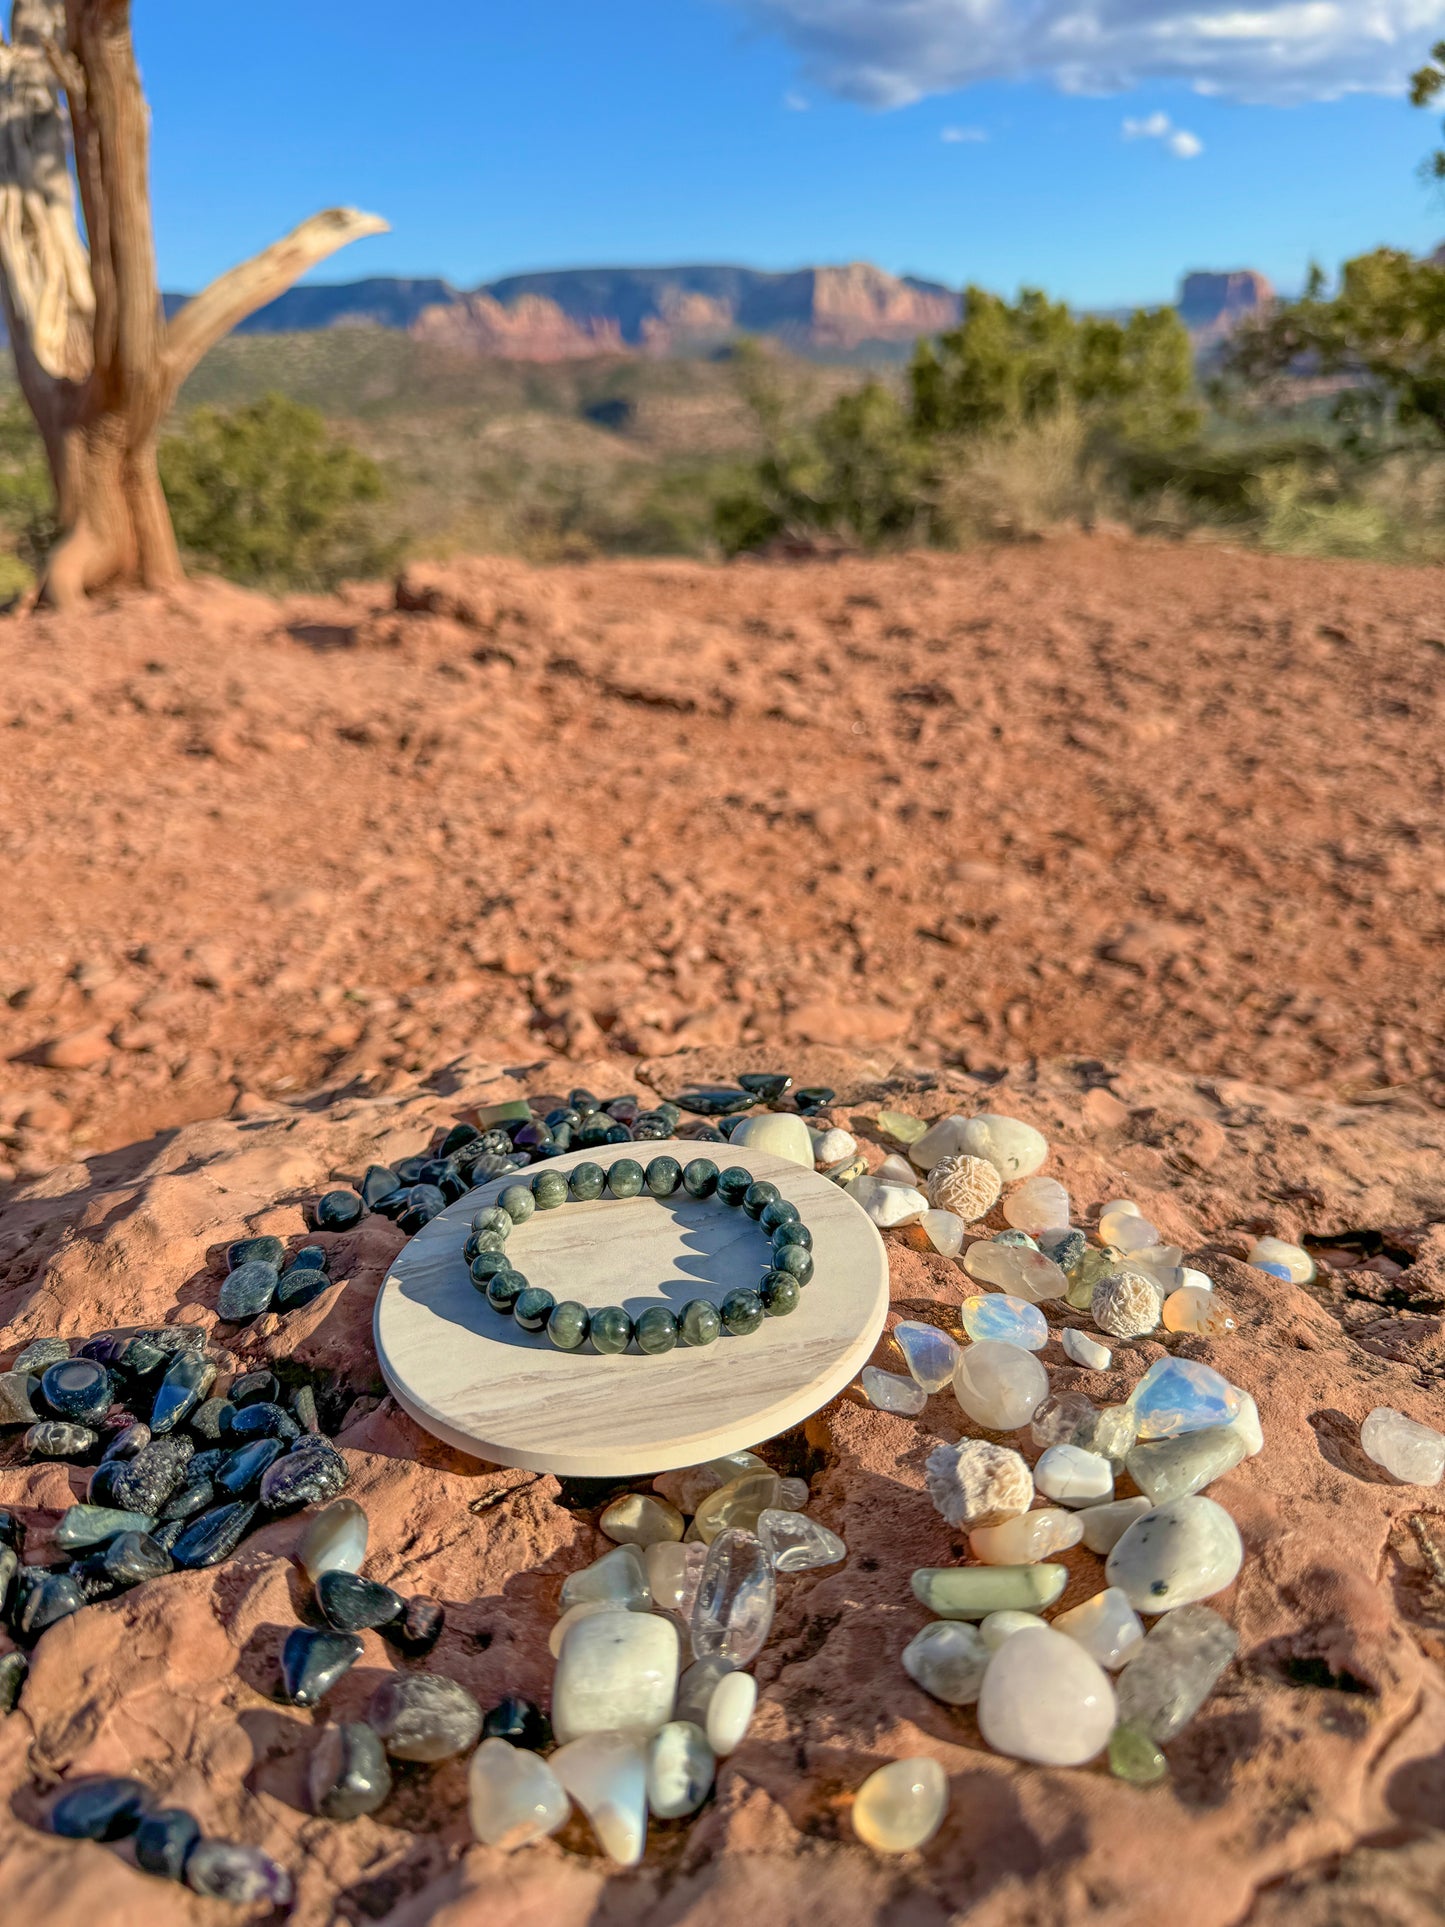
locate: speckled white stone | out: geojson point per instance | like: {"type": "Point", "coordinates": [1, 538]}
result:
{"type": "Point", "coordinates": [617, 1670]}
{"type": "Point", "coordinates": [1044, 1699]}
{"type": "Point", "coordinates": [1175, 1554]}
{"type": "Point", "coordinates": [948, 1659]}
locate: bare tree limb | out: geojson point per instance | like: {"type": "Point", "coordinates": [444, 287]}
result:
{"type": "Point", "coordinates": [250, 285]}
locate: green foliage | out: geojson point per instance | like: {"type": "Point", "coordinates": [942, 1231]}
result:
{"type": "Point", "coordinates": [268, 495]}
{"type": "Point", "coordinates": [1426, 84]}
{"type": "Point", "coordinates": [27, 508]}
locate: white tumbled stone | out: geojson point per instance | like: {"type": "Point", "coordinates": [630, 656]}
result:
{"type": "Point", "coordinates": [1073, 1476]}
{"type": "Point", "coordinates": [892, 1393]}
{"type": "Point", "coordinates": [948, 1659]}
{"type": "Point", "coordinates": [941, 1140]}
{"type": "Point", "coordinates": [1409, 1451]}
{"type": "Point", "coordinates": [888, 1205]}
{"type": "Point", "coordinates": [999, 1386]}
{"type": "Point", "coordinates": [896, 1170]}
{"type": "Point", "coordinates": [901, 1806]}
{"type": "Point", "coordinates": [606, 1774]}
{"type": "Point", "coordinates": [1015, 1149]}
{"type": "Point", "coordinates": [944, 1231]}
{"type": "Point", "coordinates": [1282, 1255]}
{"type": "Point", "coordinates": [1045, 1700]}
{"type": "Point", "coordinates": [584, 1609]}
{"type": "Point", "coordinates": [730, 1712]}
{"type": "Point", "coordinates": [833, 1145]}
{"type": "Point", "coordinates": [930, 1354]}
{"type": "Point", "coordinates": [680, 1770]}
{"type": "Point", "coordinates": [1039, 1204]}
{"type": "Point", "coordinates": [617, 1670]}
{"type": "Point", "coordinates": [514, 1796]}
{"type": "Point", "coordinates": [1028, 1539]}
{"type": "Point", "coordinates": [1175, 1554]}
{"type": "Point", "coordinates": [334, 1541]}
{"type": "Point", "coordinates": [782, 1134]}
{"type": "Point", "coordinates": [1086, 1351]}
{"type": "Point", "coordinates": [1105, 1525]}
{"type": "Point", "coordinates": [1106, 1626]}
{"type": "Point", "coordinates": [998, 1627]}
{"type": "Point", "coordinates": [1131, 1232]}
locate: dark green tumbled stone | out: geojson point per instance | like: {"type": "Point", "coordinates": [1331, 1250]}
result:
{"type": "Point", "coordinates": [611, 1329]}
{"type": "Point", "coordinates": [796, 1260]}
{"type": "Point", "coordinates": [699, 1323]}
{"type": "Point", "coordinates": [549, 1188]}
{"type": "Point", "coordinates": [583, 1102]}
{"type": "Point", "coordinates": [485, 1266]}
{"type": "Point", "coordinates": [532, 1308]}
{"type": "Point", "coordinates": [792, 1233]}
{"type": "Point", "coordinates": [742, 1312]}
{"type": "Point", "coordinates": [663, 1177]}
{"type": "Point", "coordinates": [593, 1132]}
{"type": "Point", "coordinates": [489, 1240]}
{"type": "Point", "coordinates": [734, 1184]}
{"type": "Point", "coordinates": [656, 1329]}
{"type": "Point", "coordinates": [567, 1326]}
{"type": "Point", "coordinates": [699, 1178]}
{"type": "Point", "coordinates": [779, 1292]}
{"type": "Point", "coordinates": [625, 1178]}
{"type": "Point", "coordinates": [586, 1182]}
{"type": "Point", "coordinates": [650, 1127]}
{"type": "Point", "coordinates": [758, 1196]}
{"type": "Point", "coordinates": [781, 1211]}
{"type": "Point", "coordinates": [504, 1288]}
{"type": "Point", "coordinates": [669, 1112]}
{"type": "Point", "coordinates": [518, 1202]}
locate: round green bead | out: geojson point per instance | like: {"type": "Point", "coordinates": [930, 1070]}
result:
{"type": "Point", "coordinates": [504, 1288]}
{"type": "Point", "coordinates": [485, 1266]}
{"type": "Point", "coordinates": [567, 1327]}
{"type": "Point", "coordinates": [699, 1179]}
{"type": "Point", "coordinates": [611, 1329]}
{"type": "Point", "coordinates": [758, 1196]}
{"type": "Point", "coordinates": [698, 1322]}
{"type": "Point", "coordinates": [518, 1203]}
{"type": "Point", "coordinates": [489, 1240]}
{"type": "Point", "coordinates": [779, 1292]}
{"type": "Point", "coordinates": [779, 1212]}
{"type": "Point", "coordinates": [656, 1329]}
{"type": "Point", "coordinates": [663, 1177]}
{"type": "Point", "coordinates": [625, 1178]}
{"type": "Point", "coordinates": [549, 1189]}
{"type": "Point", "coordinates": [492, 1218]}
{"type": "Point", "coordinates": [742, 1312]}
{"type": "Point", "coordinates": [792, 1233]}
{"type": "Point", "coordinates": [733, 1184]}
{"type": "Point", "coordinates": [796, 1260]}
{"type": "Point", "coordinates": [587, 1181]}
{"type": "Point", "coordinates": [533, 1307]}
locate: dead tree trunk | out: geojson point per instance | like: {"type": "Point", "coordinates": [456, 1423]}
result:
{"type": "Point", "coordinates": [98, 363]}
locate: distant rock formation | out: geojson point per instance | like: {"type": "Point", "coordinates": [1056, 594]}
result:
{"type": "Point", "coordinates": [1212, 305]}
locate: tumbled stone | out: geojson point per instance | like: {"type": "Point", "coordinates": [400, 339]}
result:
{"type": "Point", "coordinates": [1126, 1304]}
{"type": "Point", "coordinates": [148, 1481]}
{"type": "Point", "coordinates": [1188, 1310]}
{"type": "Point", "coordinates": [13, 1670]}
{"type": "Point", "coordinates": [687, 1488]}
{"type": "Point", "coordinates": [133, 1558]}
{"type": "Point", "coordinates": [617, 1669]}
{"type": "Point", "coordinates": [241, 1475]}
{"type": "Point", "coordinates": [1074, 1476]}
{"type": "Point", "coordinates": [673, 1575]}
{"type": "Point", "coordinates": [930, 1354]}
{"type": "Point", "coordinates": [782, 1134]}
{"type": "Point", "coordinates": [1105, 1525]}
{"type": "Point", "coordinates": [697, 1686]}
{"type": "Point", "coordinates": [888, 1205]}
{"type": "Point", "coordinates": [995, 1628]}
{"type": "Point", "coordinates": [966, 1187]}
{"type": "Point", "coordinates": [736, 1598]}
{"type": "Point", "coordinates": [424, 1716]}
{"type": "Point", "coordinates": [1012, 1321]}
{"type": "Point", "coordinates": [313, 1661]}
{"type": "Point", "coordinates": [187, 1379]}
{"type": "Point", "coordinates": [942, 1139]}
{"type": "Point", "coordinates": [1175, 1554]}
{"type": "Point", "coordinates": [1066, 1247]}
{"type": "Point", "coordinates": [312, 1471]}
{"type": "Point", "coordinates": [1180, 1395]}
{"type": "Point", "coordinates": [128, 1443]}
{"type": "Point", "coordinates": [976, 1483]}
{"type": "Point", "coordinates": [1024, 1541]}
{"type": "Point", "coordinates": [1086, 1351]}
{"type": "Point", "coordinates": [606, 1774]}
{"type": "Point", "coordinates": [944, 1231]}
{"type": "Point", "coordinates": [40, 1353]}
{"type": "Point", "coordinates": [1292, 1262]}
{"type": "Point", "coordinates": [796, 1543]}
{"type": "Point", "coordinates": [1112, 1434]}
{"type": "Point", "coordinates": [519, 1722]}
{"type": "Point", "coordinates": [1064, 1418]}
{"type": "Point", "coordinates": [1106, 1626]}
{"type": "Point", "coordinates": [78, 1390]}
{"type": "Point", "coordinates": [738, 1505]}
{"type": "Point", "coordinates": [1134, 1758]}
{"type": "Point", "coordinates": [1045, 1700]}
{"type": "Point", "coordinates": [247, 1292]}
{"type": "Point", "coordinates": [51, 1599]}
{"type": "Point", "coordinates": [948, 1659]}
{"type": "Point", "coordinates": [1166, 1469]}
{"type": "Point", "coordinates": [730, 1712]}
{"type": "Point", "coordinates": [618, 1578]}
{"type": "Point", "coordinates": [1038, 1205]}
{"type": "Point", "coordinates": [973, 1592]}
{"type": "Point", "coordinates": [352, 1604]}
{"type": "Point", "coordinates": [637, 1519]}
{"type": "Point", "coordinates": [890, 1393]}
{"type": "Point", "coordinates": [214, 1536]}
{"type": "Point", "coordinates": [347, 1774]}
{"type": "Point", "coordinates": [999, 1386]}
{"type": "Point", "coordinates": [1014, 1148]}
{"type": "Point", "coordinates": [417, 1628]}
{"type": "Point", "coordinates": [163, 1842]}
{"type": "Point", "coordinates": [95, 1525]}
{"type": "Point", "coordinates": [900, 1807]}
{"type": "Point", "coordinates": [16, 1407]}
{"type": "Point", "coordinates": [333, 1541]}
{"type": "Point", "coordinates": [680, 1769]}
{"type": "Point", "coordinates": [103, 1808]}
{"type": "Point", "coordinates": [1409, 1451]}
{"type": "Point", "coordinates": [514, 1796]}
{"type": "Point", "coordinates": [242, 1875]}
{"type": "Point", "coordinates": [1175, 1669]}
{"type": "Point", "coordinates": [1018, 1270]}
{"type": "Point", "coordinates": [56, 1438]}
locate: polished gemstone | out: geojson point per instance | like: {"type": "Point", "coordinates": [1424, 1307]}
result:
{"type": "Point", "coordinates": [133, 1558]}
{"type": "Point", "coordinates": [148, 1481]}
{"type": "Point", "coordinates": [1015, 1269]}
{"type": "Point", "coordinates": [254, 1388]}
{"type": "Point", "coordinates": [242, 1875]}
{"type": "Point", "coordinates": [1105, 1525]}
{"type": "Point", "coordinates": [813, 1098]}
{"type": "Point", "coordinates": [56, 1438]}
{"type": "Point", "coordinates": [929, 1353]}
{"type": "Point", "coordinates": [610, 1329]}
{"type": "Point", "coordinates": [606, 1774]}
{"type": "Point", "coordinates": [680, 1769]}
{"type": "Point", "coordinates": [888, 1205]}
{"type": "Point", "coordinates": [767, 1086]}
{"type": "Point", "coordinates": [995, 1628]}
{"type": "Point", "coordinates": [106, 1808]}
{"type": "Point", "coordinates": [163, 1841]}
{"type": "Point", "coordinates": [245, 1251]}
{"type": "Point", "coordinates": [311, 1472]}
{"type": "Point", "coordinates": [214, 1536]}
{"type": "Point", "coordinates": [187, 1380]}
{"type": "Point", "coordinates": [1166, 1469]}
{"type": "Point", "coordinates": [95, 1525]}
{"type": "Point", "coordinates": [618, 1578]}
{"type": "Point", "coordinates": [781, 1134]}
{"type": "Point", "coordinates": [1024, 1541]}
{"type": "Point", "coordinates": [334, 1540]}
{"type": "Point", "coordinates": [587, 1181]}
{"type": "Point", "coordinates": [1106, 1626]}
{"type": "Point", "coordinates": [352, 1604]}
{"type": "Point", "coordinates": [338, 1211]}
{"type": "Point", "coordinates": [422, 1716]}
{"type": "Point", "coordinates": [519, 1722]}
{"type": "Point", "coordinates": [1179, 1395]}
{"type": "Point", "coordinates": [625, 1178]}
{"type": "Point", "coordinates": [1175, 1554]}
{"type": "Point", "coordinates": [734, 1183]}
{"type": "Point", "coordinates": [1409, 1451]}
{"type": "Point", "coordinates": [900, 1807]}
{"type": "Point", "coordinates": [999, 1386]}
{"type": "Point", "coordinates": [43, 1604]}
{"type": "Point", "coordinates": [1276, 1254]}
{"type": "Point", "coordinates": [347, 1775]}
{"type": "Point", "coordinates": [313, 1661]}
{"type": "Point", "coordinates": [674, 1573]}
{"type": "Point", "coordinates": [1133, 1757]}
{"type": "Point", "coordinates": [638, 1519]}
{"type": "Point", "coordinates": [1175, 1669]}
{"type": "Point", "coordinates": [892, 1393]}
{"type": "Point", "coordinates": [549, 1190]}
{"type": "Point", "coordinates": [948, 1660]}
{"type": "Point", "coordinates": [518, 1202]}
{"type": "Point", "coordinates": [1013, 1321]}
{"type": "Point", "coordinates": [77, 1390]}
{"type": "Point", "coordinates": [39, 1353]}
{"type": "Point", "coordinates": [247, 1292]}
{"type": "Point", "coordinates": [1045, 1700]}
{"type": "Point", "coordinates": [699, 1322]}
{"type": "Point", "coordinates": [796, 1543]}
{"type": "Point", "coordinates": [976, 1483]}
{"type": "Point", "coordinates": [1073, 1476]}
{"type": "Point", "coordinates": [655, 1330]}
{"type": "Point", "coordinates": [513, 1795]}
{"type": "Point", "coordinates": [742, 1312]}
{"type": "Point", "coordinates": [730, 1712]}
{"type": "Point", "coordinates": [796, 1259]}
{"type": "Point", "coordinates": [418, 1627]}
{"type": "Point", "coordinates": [699, 1178]}
{"type": "Point", "coordinates": [1038, 1205]}
{"type": "Point", "coordinates": [716, 1101]}
{"type": "Point", "coordinates": [16, 1407]}
{"type": "Point", "coordinates": [568, 1325]}
{"type": "Point", "coordinates": [240, 1477]}
{"type": "Point", "coordinates": [779, 1292]}
{"type": "Point", "coordinates": [735, 1599]}
{"type": "Point", "coordinates": [689, 1487]}
{"type": "Point", "coordinates": [1086, 1351]}
{"type": "Point", "coordinates": [1190, 1310]}
{"type": "Point", "coordinates": [739, 1504]}
{"type": "Point", "coordinates": [504, 1287]}
{"type": "Point", "coordinates": [973, 1592]}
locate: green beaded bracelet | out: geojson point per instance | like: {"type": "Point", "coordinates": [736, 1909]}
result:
{"type": "Point", "coordinates": [611, 1329]}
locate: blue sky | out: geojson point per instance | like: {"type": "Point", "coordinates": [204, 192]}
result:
{"type": "Point", "coordinates": [1063, 143]}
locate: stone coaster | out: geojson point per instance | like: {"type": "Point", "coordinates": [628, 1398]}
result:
{"type": "Point", "coordinates": [476, 1380]}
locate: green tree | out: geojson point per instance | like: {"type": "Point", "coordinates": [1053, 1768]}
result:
{"type": "Point", "coordinates": [1426, 85]}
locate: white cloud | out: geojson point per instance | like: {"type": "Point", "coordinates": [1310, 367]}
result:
{"type": "Point", "coordinates": [886, 53]}
{"type": "Point", "coordinates": [795, 102]}
{"type": "Point", "coordinates": [957, 136]}
{"type": "Point", "coordinates": [1183, 145]}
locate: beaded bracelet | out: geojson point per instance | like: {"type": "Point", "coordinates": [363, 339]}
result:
{"type": "Point", "coordinates": [611, 1329]}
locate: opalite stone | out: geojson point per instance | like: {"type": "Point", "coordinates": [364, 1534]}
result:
{"type": "Point", "coordinates": [1168, 1469]}
{"type": "Point", "coordinates": [619, 1578]}
{"type": "Point", "coordinates": [968, 1187]}
{"type": "Point", "coordinates": [1045, 1700]}
{"type": "Point", "coordinates": [998, 1627]}
{"type": "Point", "coordinates": [1134, 1758]}
{"type": "Point", "coordinates": [1187, 1310]}
{"type": "Point", "coordinates": [977, 1483]}
{"type": "Point", "coordinates": [606, 1774]}
{"type": "Point", "coordinates": [1409, 1451]}
{"type": "Point", "coordinates": [514, 1796]}
{"type": "Point", "coordinates": [888, 1205]}
{"type": "Point", "coordinates": [730, 1712]}
{"type": "Point", "coordinates": [1039, 1204]}
{"type": "Point", "coordinates": [1015, 1269]}
{"type": "Point", "coordinates": [948, 1660]}
{"type": "Point", "coordinates": [1015, 1149]}
{"type": "Point", "coordinates": [680, 1769]}
{"type": "Point", "coordinates": [782, 1134]}
{"type": "Point", "coordinates": [1171, 1674]}
{"type": "Point", "coordinates": [1086, 1351]}
{"type": "Point", "coordinates": [673, 1574]}
{"type": "Point", "coordinates": [347, 1774]}
{"type": "Point", "coordinates": [944, 1231]}
{"type": "Point", "coordinates": [423, 1716]}
{"type": "Point", "coordinates": [796, 1543]}
{"type": "Point", "coordinates": [973, 1592]}
{"type": "Point", "coordinates": [1298, 1265]}
{"type": "Point", "coordinates": [895, 1170]}
{"type": "Point", "coordinates": [1106, 1626]}
{"type": "Point", "coordinates": [890, 1393]}
{"type": "Point", "coordinates": [832, 1146]}
{"type": "Point", "coordinates": [999, 1386]}
{"type": "Point", "coordinates": [1014, 1321]}
{"type": "Point", "coordinates": [735, 1601]}
{"type": "Point", "coordinates": [1126, 1304]}
{"type": "Point", "coordinates": [688, 1488]}
{"type": "Point", "coordinates": [1179, 1395]}
{"type": "Point", "coordinates": [1027, 1539]}
{"type": "Point", "coordinates": [617, 1670]}
{"type": "Point", "coordinates": [1073, 1476]}
{"type": "Point", "coordinates": [1175, 1554]}
{"type": "Point", "coordinates": [737, 1506]}
{"type": "Point", "coordinates": [901, 1806]}
{"type": "Point", "coordinates": [1105, 1525]}
{"type": "Point", "coordinates": [696, 1688]}
{"type": "Point", "coordinates": [637, 1519]}
{"type": "Point", "coordinates": [930, 1354]}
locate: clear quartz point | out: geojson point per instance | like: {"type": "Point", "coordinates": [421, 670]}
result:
{"type": "Point", "coordinates": [606, 1774]}
{"type": "Point", "coordinates": [515, 1796]}
{"type": "Point", "coordinates": [891, 1392]}
{"type": "Point", "coordinates": [736, 1600]}
{"type": "Point", "coordinates": [929, 1354]}
{"type": "Point", "coordinates": [796, 1543]}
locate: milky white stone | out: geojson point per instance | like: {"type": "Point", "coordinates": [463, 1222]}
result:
{"type": "Point", "coordinates": [781, 1133]}
{"type": "Point", "coordinates": [1174, 1554]}
{"type": "Point", "coordinates": [680, 1770]}
{"type": "Point", "coordinates": [617, 1670]}
{"type": "Point", "coordinates": [901, 1806]}
{"type": "Point", "coordinates": [1248, 1426]}
{"type": "Point", "coordinates": [1106, 1626]}
{"type": "Point", "coordinates": [1409, 1451]}
{"type": "Point", "coordinates": [1039, 1204]}
{"type": "Point", "coordinates": [890, 1393]}
{"type": "Point", "coordinates": [1112, 1215]}
{"type": "Point", "coordinates": [1044, 1699]}
{"type": "Point", "coordinates": [1086, 1351]}
{"type": "Point", "coordinates": [1133, 1233]}
{"type": "Point", "coordinates": [1165, 1469]}
{"type": "Point", "coordinates": [895, 1170]}
{"type": "Point", "coordinates": [686, 1489]}
{"type": "Point", "coordinates": [673, 1573]}
{"type": "Point", "coordinates": [606, 1774]}
{"type": "Point", "coordinates": [977, 1483]}
{"type": "Point", "coordinates": [1277, 1251]}
{"type": "Point", "coordinates": [697, 1686]}
{"type": "Point", "coordinates": [1016, 1150]}
{"type": "Point", "coordinates": [1028, 1539]}
{"type": "Point", "coordinates": [999, 1386]}
{"type": "Point", "coordinates": [1073, 1476]}
{"type": "Point", "coordinates": [1001, 1626]}
{"type": "Point", "coordinates": [1197, 1280]}
{"type": "Point", "coordinates": [334, 1541]}
{"type": "Point", "coordinates": [584, 1609]}
{"type": "Point", "coordinates": [948, 1660]}
{"type": "Point", "coordinates": [514, 1795]}
{"type": "Point", "coordinates": [929, 1353]}
{"type": "Point", "coordinates": [798, 1544]}
{"type": "Point", "coordinates": [1105, 1525]}
{"type": "Point", "coordinates": [941, 1140]}
{"type": "Point", "coordinates": [619, 1577]}
{"type": "Point", "coordinates": [1126, 1304]}
{"type": "Point", "coordinates": [944, 1231]}
{"type": "Point", "coordinates": [730, 1712]}
{"type": "Point", "coordinates": [637, 1519]}
{"type": "Point", "coordinates": [1015, 1269]}
{"type": "Point", "coordinates": [832, 1146]}
{"type": "Point", "coordinates": [888, 1205]}
{"type": "Point", "coordinates": [1014, 1321]}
